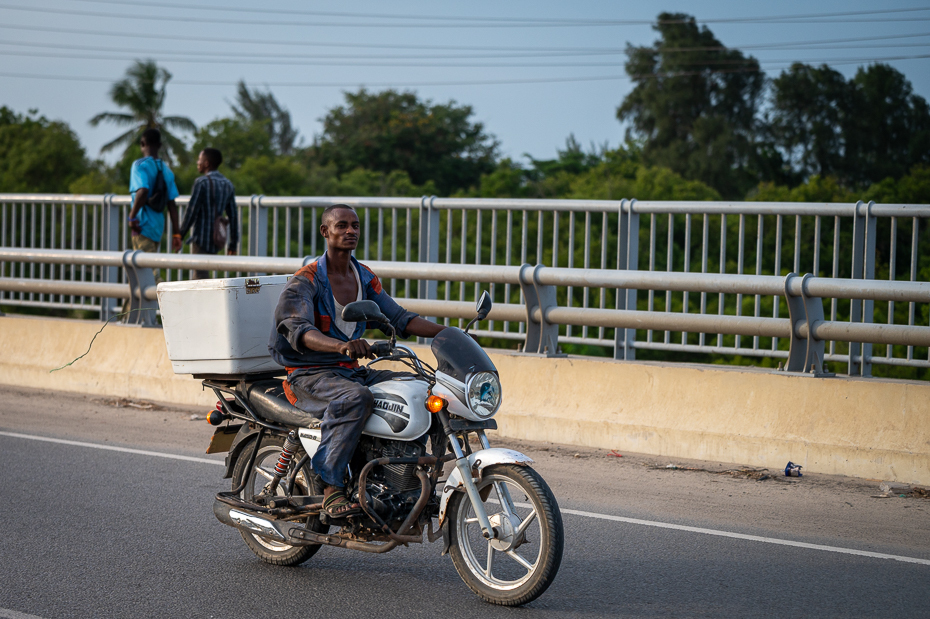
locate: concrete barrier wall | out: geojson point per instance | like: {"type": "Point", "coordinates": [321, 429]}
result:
{"type": "Point", "coordinates": [870, 428]}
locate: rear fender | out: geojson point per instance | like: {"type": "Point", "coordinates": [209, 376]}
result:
{"type": "Point", "coordinates": [478, 461]}
{"type": "Point", "coordinates": [246, 437]}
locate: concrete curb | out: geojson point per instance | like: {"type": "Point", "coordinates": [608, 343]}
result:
{"type": "Point", "coordinates": [871, 428]}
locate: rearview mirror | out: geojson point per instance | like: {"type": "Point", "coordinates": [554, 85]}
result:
{"type": "Point", "coordinates": [367, 311]}
{"type": "Point", "coordinates": [483, 307]}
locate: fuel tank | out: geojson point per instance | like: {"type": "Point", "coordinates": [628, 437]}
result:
{"type": "Point", "coordinates": [400, 409]}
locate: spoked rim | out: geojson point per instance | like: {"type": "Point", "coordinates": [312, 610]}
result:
{"type": "Point", "coordinates": [493, 562]}
{"type": "Point", "coordinates": [258, 478]}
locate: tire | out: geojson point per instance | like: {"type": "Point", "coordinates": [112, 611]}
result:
{"type": "Point", "coordinates": [508, 582]}
{"type": "Point", "coordinates": [307, 482]}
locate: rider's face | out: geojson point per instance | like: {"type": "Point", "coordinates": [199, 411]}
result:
{"type": "Point", "coordinates": [341, 230]}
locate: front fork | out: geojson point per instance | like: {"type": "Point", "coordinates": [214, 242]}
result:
{"type": "Point", "coordinates": [461, 463]}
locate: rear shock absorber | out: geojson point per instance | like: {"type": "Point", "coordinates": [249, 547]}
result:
{"type": "Point", "coordinates": [291, 445]}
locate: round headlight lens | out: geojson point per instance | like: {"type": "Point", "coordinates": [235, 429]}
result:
{"type": "Point", "coordinates": [484, 394]}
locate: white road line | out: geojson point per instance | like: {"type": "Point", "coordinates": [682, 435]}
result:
{"type": "Point", "coordinates": [140, 452]}
{"type": "Point", "coordinates": [743, 536]}
{"type": "Point", "coordinates": [12, 614]}
{"type": "Point", "coordinates": [573, 512]}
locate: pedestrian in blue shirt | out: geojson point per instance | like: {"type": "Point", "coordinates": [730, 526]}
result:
{"type": "Point", "coordinates": [146, 223]}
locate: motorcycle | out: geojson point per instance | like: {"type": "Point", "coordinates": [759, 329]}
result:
{"type": "Point", "coordinates": [495, 515]}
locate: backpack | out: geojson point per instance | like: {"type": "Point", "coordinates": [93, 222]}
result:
{"type": "Point", "coordinates": [158, 196]}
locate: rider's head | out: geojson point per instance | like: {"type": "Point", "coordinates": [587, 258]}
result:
{"type": "Point", "coordinates": [339, 226]}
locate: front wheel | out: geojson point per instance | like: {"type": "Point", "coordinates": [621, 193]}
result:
{"type": "Point", "coordinates": [518, 566]}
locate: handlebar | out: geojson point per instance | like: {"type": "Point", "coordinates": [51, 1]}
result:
{"type": "Point", "coordinates": [381, 349]}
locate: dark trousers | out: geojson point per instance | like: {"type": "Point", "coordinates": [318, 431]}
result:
{"type": "Point", "coordinates": [341, 398]}
{"type": "Point", "coordinates": [197, 274]}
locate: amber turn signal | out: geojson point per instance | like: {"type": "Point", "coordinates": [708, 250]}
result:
{"type": "Point", "coordinates": [434, 403]}
{"type": "Point", "coordinates": [215, 418]}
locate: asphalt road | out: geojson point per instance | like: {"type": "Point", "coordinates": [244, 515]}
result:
{"type": "Point", "coordinates": [89, 531]}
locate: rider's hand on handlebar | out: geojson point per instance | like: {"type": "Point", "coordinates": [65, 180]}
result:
{"type": "Point", "coordinates": [357, 349]}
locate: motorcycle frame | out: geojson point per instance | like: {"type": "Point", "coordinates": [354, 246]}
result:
{"type": "Point", "coordinates": [450, 429]}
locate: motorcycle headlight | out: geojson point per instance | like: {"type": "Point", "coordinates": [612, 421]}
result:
{"type": "Point", "coordinates": [484, 394]}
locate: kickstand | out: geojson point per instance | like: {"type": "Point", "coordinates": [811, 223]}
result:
{"type": "Point", "coordinates": [432, 537]}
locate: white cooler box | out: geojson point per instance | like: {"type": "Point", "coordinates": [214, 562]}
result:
{"type": "Point", "coordinates": [220, 326]}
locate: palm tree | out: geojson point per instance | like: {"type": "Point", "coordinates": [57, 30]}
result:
{"type": "Point", "coordinates": [143, 92]}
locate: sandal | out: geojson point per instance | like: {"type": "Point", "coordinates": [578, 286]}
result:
{"type": "Point", "coordinates": [337, 505]}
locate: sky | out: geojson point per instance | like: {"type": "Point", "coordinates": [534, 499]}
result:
{"type": "Point", "coordinates": [533, 72]}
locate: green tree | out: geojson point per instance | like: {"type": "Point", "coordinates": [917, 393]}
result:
{"type": "Point", "coordinates": [694, 105]}
{"type": "Point", "coordinates": [37, 154]}
{"type": "Point", "coordinates": [142, 91]}
{"type": "Point", "coordinates": [891, 133]}
{"type": "Point", "coordinates": [913, 188]}
{"type": "Point", "coordinates": [263, 110]}
{"type": "Point", "coordinates": [814, 189]}
{"type": "Point", "coordinates": [812, 112]}
{"type": "Point", "coordinates": [393, 130]}
{"type": "Point", "coordinates": [238, 139]}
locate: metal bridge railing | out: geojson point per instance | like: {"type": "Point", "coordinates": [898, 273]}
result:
{"type": "Point", "coordinates": [806, 328]}
{"type": "Point", "coordinates": [861, 241]}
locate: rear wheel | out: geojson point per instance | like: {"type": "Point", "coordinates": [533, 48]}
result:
{"type": "Point", "coordinates": [257, 478]}
{"type": "Point", "coordinates": [522, 562]}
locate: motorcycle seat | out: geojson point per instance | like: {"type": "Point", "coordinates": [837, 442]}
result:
{"type": "Point", "coordinates": [269, 401]}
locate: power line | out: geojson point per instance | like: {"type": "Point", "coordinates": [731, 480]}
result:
{"type": "Point", "coordinates": [579, 50]}
{"type": "Point", "coordinates": [402, 84]}
{"type": "Point", "coordinates": [341, 57]}
{"type": "Point", "coordinates": [193, 56]}
{"type": "Point", "coordinates": [193, 59]}
{"type": "Point", "coordinates": [466, 22]}
{"type": "Point", "coordinates": [504, 20]}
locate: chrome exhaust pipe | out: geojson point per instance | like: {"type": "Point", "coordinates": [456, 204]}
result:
{"type": "Point", "coordinates": [253, 523]}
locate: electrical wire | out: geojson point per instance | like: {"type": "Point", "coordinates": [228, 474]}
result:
{"type": "Point", "coordinates": [469, 22]}
{"type": "Point", "coordinates": [427, 64]}
{"type": "Point", "coordinates": [330, 45]}
{"type": "Point", "coordinates": [505, 20]}
{"type": "Point", "coordinates": [336, 57]}
{"type": "Point", "coordinates": [404, 84]}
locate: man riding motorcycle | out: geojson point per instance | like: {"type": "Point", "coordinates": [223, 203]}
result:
{"type": "Point", "coordinates": [321, 351]}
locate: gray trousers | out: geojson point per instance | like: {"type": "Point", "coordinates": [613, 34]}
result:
{"type": "Point", "coordinates": [341, 398]}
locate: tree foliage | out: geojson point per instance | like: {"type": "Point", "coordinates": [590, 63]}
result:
{"type": "Point", "coordinates": [605, 175]}
{"type": "Point", "coordinates": [812, 114]}
{"type": "Point", "coordinates": [860, 130]}
{"type": "Point", "coordinates": [261, 110]}
{"type": "Point", "coordinates": [142, 92]}
{"type": "Point", "coordinates": [892, 129]}
{"type": "Point", "coordinates": [694, 105]}
{"type": "Point", "coordinates": [393, 130]}
{"type": "Point", "coordinates": [37, 154]}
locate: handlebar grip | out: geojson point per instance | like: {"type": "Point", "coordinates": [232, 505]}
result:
{"type": "Point", "coordinates": [381, 349]}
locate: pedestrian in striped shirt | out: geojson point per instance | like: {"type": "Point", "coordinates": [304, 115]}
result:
{"type": "Point", "coordinates": [211, 196]}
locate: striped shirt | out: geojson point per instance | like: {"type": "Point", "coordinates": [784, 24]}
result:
{"type": "Point", "coordinates": [211, 195]}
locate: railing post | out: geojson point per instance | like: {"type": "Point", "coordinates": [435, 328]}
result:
{"type": "Point", "coordinates": [805, 353]}
{"type": "Point", "coordinates": [868, 305]}
{"type": "Point", "coordinates": [542, 337]}
{"type": "Point", "coordinates": [429, 249]}
{"type": "Point", "coordinates": [628, 259]}
{"type": "Point", "coordinates": [110, 242]}
{"type": "Point", "coordinates": [258, 227]}
{"type": "Point", "coordinates": [142, 310]}
{"type": "Point", "coordinates": [863, 267]}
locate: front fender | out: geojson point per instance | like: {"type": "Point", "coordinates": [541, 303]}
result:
{"type": "Point", "coordinates": [478, 461]}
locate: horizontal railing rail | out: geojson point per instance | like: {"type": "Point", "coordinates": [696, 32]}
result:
{"type": "Point", "coordinates": [805, 328]}
{"type": "Point", "coordinates": [860, 241]}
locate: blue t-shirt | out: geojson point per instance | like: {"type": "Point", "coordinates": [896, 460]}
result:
{"type": "Point", "coordinates": [142, 176]}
